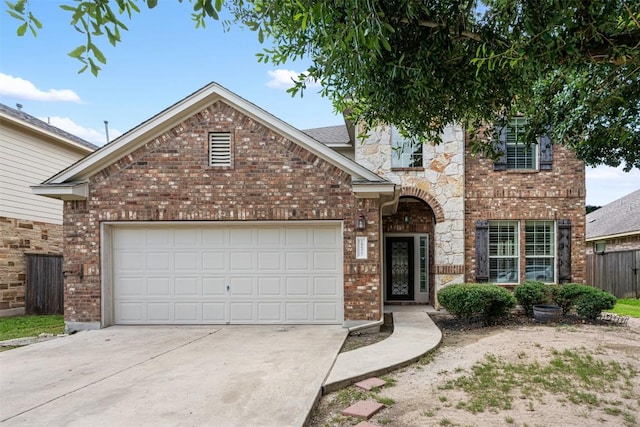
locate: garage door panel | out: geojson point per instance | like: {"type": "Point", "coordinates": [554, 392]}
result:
{"type": "Point", "coordinates": [324, 311]}
{"type": "Point", "coordinates": [219, 273]}
{"type": "Point", "coordinates": [159, 237]}
{"type": "Point", "coordinates": [159, 312]}
{"type": "Point", "coordinates": [269, 312]}
{"type": "Point", "coordinates": [214, 286]}
{"type": "Point", "coordinates": [159, 287]}
{"type": "Point", "coordinates": [297, 286]}
{"type": "Point", "coordinates": [325, 286]}
{"type": "Point", "coordinates": [214, 261]}
{"type": "Point", "coordinates": [241, 261]}
{"type": "Point", "coordinates": [297, 261]}
{"type": "Point", "coordinates": [187, 286]}
{"type": "Point", "coordinates": [298, 312]}
{"type": "Point", "coordinates": [215, 312]}
{"type": "Point", "coordinates": [158, 261]}
{"type": "Point", "coordinates": [325, 261]}
{"type": "Point", "coordinates": [130, 261]}
{"type": "Point", "coordinates": [269, 286]}
{"type": "Point", "coordinates": [186, 312]}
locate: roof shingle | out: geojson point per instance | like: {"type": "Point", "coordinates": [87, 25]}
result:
{"type": "Point", "coordinates": [621, 216]}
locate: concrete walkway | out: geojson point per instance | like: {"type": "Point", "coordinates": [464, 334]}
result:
{"type": "Point", "coordinates": [414, 335]}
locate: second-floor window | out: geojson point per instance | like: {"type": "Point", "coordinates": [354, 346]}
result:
{"type": "Point", "coordinates": [516, 154]}
{"type": "Point", "coordinates": [519, 155]}
{"type": "Point", "coordinates": [405, 152]}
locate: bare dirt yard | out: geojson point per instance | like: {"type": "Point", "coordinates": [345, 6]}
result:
{"type": "Point", "coordinates": [516, 374]}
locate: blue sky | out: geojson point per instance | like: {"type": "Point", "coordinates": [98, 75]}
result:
{"type": "Point", "coordinates": [162, 59]}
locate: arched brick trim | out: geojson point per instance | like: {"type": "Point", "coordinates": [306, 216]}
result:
{"type": "Point", "coordinates": [425, 197]}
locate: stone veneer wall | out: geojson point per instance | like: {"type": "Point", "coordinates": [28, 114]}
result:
{"type": "Point", "coordinates": [17, 237]}
{"type": "Point", "coordinates": [168, 179]}
{"type": "Point", "coordinates": [440, 184]}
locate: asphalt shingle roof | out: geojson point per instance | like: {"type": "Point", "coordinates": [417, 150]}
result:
{"type": "Point", "coordinates": [21, 115]}
{"type": "Point", "coordinates": [330, 134]}
{"type": "Point", "coordinates": [618, 217]}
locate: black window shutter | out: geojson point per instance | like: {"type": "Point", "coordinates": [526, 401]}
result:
{"type": "Point", "coordinates": [500, 145]}
{"type": "Point", "coordinates": [564, 251]}
{"type": "Point", "coordinates": [482, 251]}
{"type": "Point", "coordinates": [546, 153]}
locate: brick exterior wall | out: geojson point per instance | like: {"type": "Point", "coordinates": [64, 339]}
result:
{"type": "Point", "coordinates": [168, 179]}
{"type": "Point", "coordinates": [18, 237]}
{"type": "Point", "coordinates": [527, 195]}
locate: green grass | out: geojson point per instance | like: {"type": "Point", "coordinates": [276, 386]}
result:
{"type": "Point", "coordinates": [30, 326]}
{"type": "Point", "coordinates": [627, 307]}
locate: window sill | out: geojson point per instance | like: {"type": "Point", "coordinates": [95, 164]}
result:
{"type": "Point", "coordinates": [420, 169]}
{"type": "Point", "coordinates": [522, 171]}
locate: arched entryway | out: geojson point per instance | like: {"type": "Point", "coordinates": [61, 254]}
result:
{"type": "Point", "coordinates": [408, 252]}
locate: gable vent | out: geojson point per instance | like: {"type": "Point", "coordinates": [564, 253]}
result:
{"type": "Point", "coordinates": [220, 149]}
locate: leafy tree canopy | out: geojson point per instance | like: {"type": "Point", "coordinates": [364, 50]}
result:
{"type": "Point", "coordinates": [571, 67]}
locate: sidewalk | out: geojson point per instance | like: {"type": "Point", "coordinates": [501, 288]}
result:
{"type": "Point", "coordinates": [414, 335]}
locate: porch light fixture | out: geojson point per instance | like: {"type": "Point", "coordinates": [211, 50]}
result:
{"type": "Point", "coordinates": [406, 219]}
{"type": "Point", "coordinates": [361, 223]}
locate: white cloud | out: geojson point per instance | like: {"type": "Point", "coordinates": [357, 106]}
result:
{"type": "Point", "coordinates": [18, 88]}
{"type": "Point", "coordinates": [606, 184]}
{"type": "Point", "coordinates": [92, 135]}
{"type": "Point", "coordinates": [283, 79]}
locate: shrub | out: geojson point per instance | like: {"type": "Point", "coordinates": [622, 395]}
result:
{"type": "Point", "coordinates": [467, 300]}
{"type": "Point", "coordinates": [566, 295]}
{"type": "Point", "coordinates": [591, 303]}
{"type": "Point", "coordinates": [531, 293]}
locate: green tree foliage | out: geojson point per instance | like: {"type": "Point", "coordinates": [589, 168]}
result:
{"type": "Point", "coordinates": [571, 67]}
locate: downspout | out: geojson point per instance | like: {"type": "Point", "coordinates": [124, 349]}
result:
{"type": "Point", "coordinates": [396, 198]}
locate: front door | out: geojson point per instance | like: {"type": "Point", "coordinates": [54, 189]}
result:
{"type": "Point", "coordinates": [400, 268]}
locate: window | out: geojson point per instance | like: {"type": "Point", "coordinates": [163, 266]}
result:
{"type": "Point", "coordinates": [405, 153]}
{"type": "Point", "coordinates": [220, 149]}
{"type": "Point", "coordinates": [504, 252]}
{"type": "Point", "coordinates": [519, 156]}
{"type": "Point", "coordinates": [600, 247]}
{"type": "Point", "coordinates": [540, 251]}
{"type": "Point", "coordinates": [424, 263]}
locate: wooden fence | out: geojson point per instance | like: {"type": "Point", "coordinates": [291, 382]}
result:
{"type": "Point", "coordinates": [45, 285]}
{"type": "Point", "coordinates": [615, 272]}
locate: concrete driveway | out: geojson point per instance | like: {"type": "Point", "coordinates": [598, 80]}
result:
{"type": "Point", "coordinates": [177, 376]}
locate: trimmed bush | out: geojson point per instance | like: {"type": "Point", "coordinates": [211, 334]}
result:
{"type": "Point", "coordinates": [531, 293]}
{"type": "Point", "coordinates": [566, 295]}
{"type": "Point", "coordinates": [467, 300]}
{"type": "Point", "coordinates": [591, 303]}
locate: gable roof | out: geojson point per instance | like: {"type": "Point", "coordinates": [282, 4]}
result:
{"type": "Point", "coordinates": [618, 218]}
{"type": "Point", "coordinates": [31, 122]}
{"type": "Point", "coordinates": [180, 111]}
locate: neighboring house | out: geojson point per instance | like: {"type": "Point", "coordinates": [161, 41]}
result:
{"type": "Point", "coordinates": [616, 226]}
{"type": "Point", "coordinates": [215, 211]}
{"type": "Point", "coordinates": [30, 151]}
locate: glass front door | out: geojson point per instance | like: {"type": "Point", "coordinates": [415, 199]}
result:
{"type": "Point", "coordinates": [400, 268]}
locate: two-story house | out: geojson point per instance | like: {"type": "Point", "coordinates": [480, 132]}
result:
{"type": "Point", "coordinates": [215, 211]}
{"type": "Point", "coordinates": [30, 151]}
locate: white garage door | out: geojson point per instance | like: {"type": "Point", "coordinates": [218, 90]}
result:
{"type": "Point", "coordinates": [227, 274]}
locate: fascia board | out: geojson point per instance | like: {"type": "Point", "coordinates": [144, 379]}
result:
{"type": "Point", "coordinates": [77, 191]}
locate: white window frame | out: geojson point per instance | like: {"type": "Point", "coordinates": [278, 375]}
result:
{"type": "Point", "coordinates": [219, 149]}
{"type": "Point", "coordinates": [536, 250]}
{"type": "Point", "coordinates": [519, 156]}
{"type": "Point", "coordinates": [405, 153]}
{"type": "Point", "coordinates": [503, 249]}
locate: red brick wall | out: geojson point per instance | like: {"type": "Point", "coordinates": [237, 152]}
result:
{"type": "Point", "coordinates": [538, 195]}
{"type": "Point", "coordinates": [169, 179]}
{"type": "Point", "coordinates": [18, 237]}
